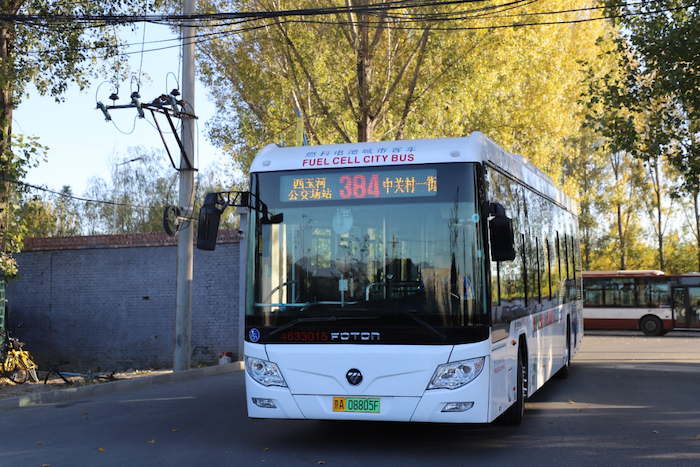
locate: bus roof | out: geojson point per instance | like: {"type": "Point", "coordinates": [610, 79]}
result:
{"type": "Point", "coordinates": [624, 273]}
{"type": "Point", "coordinates": [474, 148]}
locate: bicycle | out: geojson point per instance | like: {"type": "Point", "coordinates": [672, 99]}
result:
{"type": "Point", "coordinates": [18, 365]}
{"type": "Point", "coordinates": [64, 375]}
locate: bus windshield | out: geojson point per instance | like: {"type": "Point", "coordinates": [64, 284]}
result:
{"type": "Point", "coordinates": [378, 255]}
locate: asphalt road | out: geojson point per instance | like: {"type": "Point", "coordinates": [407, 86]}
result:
{"type": "Point", "coordinates": [630, 401]}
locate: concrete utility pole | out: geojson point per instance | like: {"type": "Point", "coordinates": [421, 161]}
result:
{"type": "Point", "coordinates": [185, 239]}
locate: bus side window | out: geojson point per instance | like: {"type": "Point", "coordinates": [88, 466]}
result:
{"type": "Point", "coordinates": [557, 275]}
{"type": "Point", "coordinates": [620, 291]}
{"type": "Point", "coordinates": [593, 295]}
{"type": "Point", "coordinates": [548, 260]}
{"type": "Point", "coordinates": [567, 273]}
{"type": "Point", "coordinates": [538, 269]}
{"type": "Point", "coordinates": [653, 292]}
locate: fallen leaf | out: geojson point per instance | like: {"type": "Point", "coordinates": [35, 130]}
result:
{"type": "Point", "coordinates": [101, 449]}
{"type": "Point", "coordinates": [45, 465]}
{"type": "Point", "coordinates": [84, 413]}
{"type": "Point", "coordinates": [655, 432]}
{"type": "Point", "coordinates": [174, 430]}
{"type": "Point", "coordinates": [153, 441]}
{"type": "Point", "coordinates": [266, 449]}
{"type": "Point", "coordinates": [39, 442]}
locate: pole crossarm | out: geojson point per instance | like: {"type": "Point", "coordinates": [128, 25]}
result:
{"type": "Point", "coordinates": [167, 105]}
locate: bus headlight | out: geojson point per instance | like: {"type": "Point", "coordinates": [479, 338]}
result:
{"type": "Point", "coordinates": [264, 372]}
{"type": "Point", "coordinates": [456, 374]}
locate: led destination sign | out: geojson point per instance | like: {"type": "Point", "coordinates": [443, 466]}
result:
{"type": "Point", "coordinates": [357, 184]}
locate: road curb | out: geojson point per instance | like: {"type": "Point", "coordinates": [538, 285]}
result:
{"type": "Point", "coordinates": [82, 392]}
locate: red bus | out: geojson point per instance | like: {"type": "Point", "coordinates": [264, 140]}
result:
{"type": "Point", "coordinates": [645, 300]}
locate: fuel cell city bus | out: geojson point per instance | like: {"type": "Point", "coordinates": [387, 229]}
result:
{"type": "Point", "coordinates": [426, 281]}
{"type": "Point", "coordinates": [649, 301]}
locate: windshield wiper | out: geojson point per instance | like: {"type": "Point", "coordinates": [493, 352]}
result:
{"type": "Point", "coordinates": [425, 325]}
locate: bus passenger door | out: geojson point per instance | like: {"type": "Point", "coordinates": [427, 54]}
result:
{"type": "Point", "coordinates": [686, 307]}
{"type": "Point", "coordinates": [693, 320]}
{"type": "Point", "coordinates": [679, 308]}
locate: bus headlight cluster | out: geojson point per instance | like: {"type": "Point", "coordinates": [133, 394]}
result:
{"type": "Point", "coordinates": [456, 374]}
{"type": "Point", "coordinates": [264, 372]}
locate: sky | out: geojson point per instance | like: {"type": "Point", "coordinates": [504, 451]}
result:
{"type": "Point", "coordinates": [83, 145]}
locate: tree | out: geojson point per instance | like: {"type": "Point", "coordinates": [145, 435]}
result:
{"type": "Point", "coordinates": [406, 73]}
{"type": "Point", "coordinates": [660, 42]}
{"type": "Point", "coordinates": [51, 55]}
{"type": "Point", "coordinates": [657, 202]}
{"type": "Point", "coordinates": [587, 166]}
{"type": "Point", "coordinates": [67, 213]}
{"type": "Point", "coordinates": [627, 177]}
{"type": "Point", "coordinates": [40, 220]}
{"type": "Point", "coordinates": [56, 215]}
{"type": "Point", "coordinates": [146, 186]}
{"type": "Point", "coordinates": [14, 167]}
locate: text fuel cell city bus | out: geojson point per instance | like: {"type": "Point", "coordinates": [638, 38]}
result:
{"type": "Point", "coordinates": [649, 301]}
{"type": "Point", "coordinates": [425, 281]}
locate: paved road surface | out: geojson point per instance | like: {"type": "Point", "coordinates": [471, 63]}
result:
{"type": "Point", "coordinates": [630, 401]}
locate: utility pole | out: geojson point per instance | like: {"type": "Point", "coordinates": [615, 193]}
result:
{"type": "Point", "coordinates": [185, 239]}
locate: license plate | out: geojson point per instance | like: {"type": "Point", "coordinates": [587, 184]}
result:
{"type": "Point", "coordinates": [356, 404]}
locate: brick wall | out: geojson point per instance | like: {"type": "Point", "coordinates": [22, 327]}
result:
{"type": "Point", "coordinates": [108, 302]}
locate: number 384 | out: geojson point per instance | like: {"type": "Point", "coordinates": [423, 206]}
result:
{"type": "Point", "coordinates": [359, 187]}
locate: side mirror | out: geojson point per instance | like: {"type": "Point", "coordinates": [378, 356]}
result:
{"type": "Point", "coordinates": [209, 217]}
{"type": "Point", "coordinates": [274, 219]}
{"type": "Point", "coordinates": [502, 236]}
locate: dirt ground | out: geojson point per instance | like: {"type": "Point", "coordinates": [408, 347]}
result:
{"type": "Point", "coordinates": [10, 389]}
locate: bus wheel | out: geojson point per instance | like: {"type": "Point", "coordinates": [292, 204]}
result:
{"type": "Point", "coordinates": [563, 373]}
{"type": "Point", "coordinates": [514, 415]}
{"type": "Point", "coordinates": [651, 326]}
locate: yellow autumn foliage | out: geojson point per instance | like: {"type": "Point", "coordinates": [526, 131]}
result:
{"type": "Point", "coordinates": [414, 72]}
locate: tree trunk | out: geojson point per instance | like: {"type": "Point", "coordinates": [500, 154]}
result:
{"type": "Point", "coordinates": [364, 81]}
{"type": "Point", "coordinates": [6, 70]}
{"type": "Point", "coordinates": [659, 215]}
{"type": "Point", "coordinates": [697, 223]}
{"type": "Point", "coordinates": [621, 235]}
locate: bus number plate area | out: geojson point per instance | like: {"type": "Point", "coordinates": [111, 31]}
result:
{"type": "Point", "coordinates": [356, 404]}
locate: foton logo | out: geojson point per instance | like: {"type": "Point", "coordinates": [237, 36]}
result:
{"type": "Point", "coordinates": [354, 376]}
{"type": "Point", "coordinates": [355, 336]}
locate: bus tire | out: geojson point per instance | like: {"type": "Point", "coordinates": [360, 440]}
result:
{"type": "Point", "coordinates": [513, 416]}
{"type": "Point", "coordinates": [651, 326]}
{"type": "Point", "coordinates": [563, 373]}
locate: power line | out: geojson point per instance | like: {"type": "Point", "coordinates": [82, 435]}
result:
{"type": "Point", "coordinates": [403, 22]}
{"type": "Point", "coordinates": [370, 10]}
{"type": "Point", "coordinates": [176, 19]}
{"type": "Point", "coordinates": [77, 198]}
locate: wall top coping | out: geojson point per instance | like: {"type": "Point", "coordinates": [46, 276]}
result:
{"type": "Point", "coordinates": [136, 240]}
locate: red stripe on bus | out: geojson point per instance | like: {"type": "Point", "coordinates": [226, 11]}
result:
{"type": "Point", "coordinates": [631, 324]}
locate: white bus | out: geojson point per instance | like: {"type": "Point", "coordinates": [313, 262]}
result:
{"type": "Point", "coordinates": [425, 281]}
{"type": "Point", "coordinates": [645, 300]}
